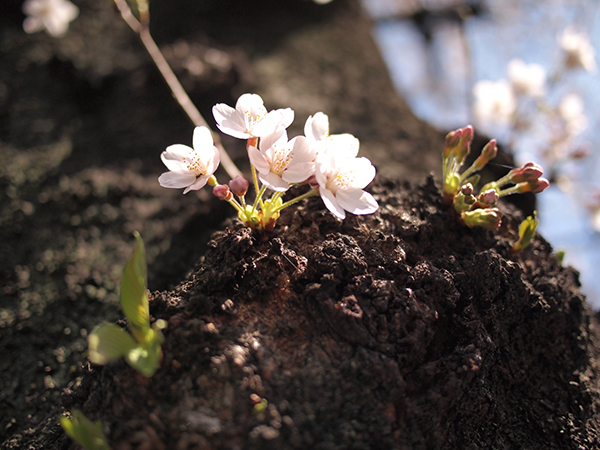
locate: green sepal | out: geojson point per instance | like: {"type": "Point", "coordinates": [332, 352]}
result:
{"type": "Point", "coordinates": [109, 342]}
{"type": "Point", "coordinates": [134, 288]}
{"type": "Point", "coordinates": [86, 433]}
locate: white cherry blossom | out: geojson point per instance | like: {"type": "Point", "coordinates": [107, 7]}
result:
{"type": "Point", "coordinates": [495, 102]}
{"type": "Point", "coordinates": [316, 129]}
{"type": "Point", "coordinates": [341, 183]}
{"type": "Point", "coordinates": [280, 162]}
{"type": "Point", "coordinates": [572, 110]}
{"type": "Point", "coordinates": [52, 15]}
{"type": "Point", "coordinates": [190, 168]}
{"type": "Point", "coordinates": [250, 118]}
{"type": "Point", "coordinates": [527, 79]}
{"type": "Point", "coordinates": [578, 49]}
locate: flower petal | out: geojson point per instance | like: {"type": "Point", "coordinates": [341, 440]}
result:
{"type": "Point", "coordinates": [176, 180]}
{"type": "Point", "coordinates": [362, 170]}
{"type": "Point", "coordinates": [274, 182]}
{"type": "Point", "coordinates": [316, 127]}
{"type": "Point", "coordinates": [229, 122]}
{"type": "Point", "coordinates": [357, 201]}
{"type": "Point", "coordinates": [198, 184]}
{"type": "Point", "coordinates": [173, 157]}
{"type": "Point", "coordinates": [257, 159]}
{"type": "Point", "coordinates": [331, 202]}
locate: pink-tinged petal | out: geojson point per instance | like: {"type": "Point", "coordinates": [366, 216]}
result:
{"type": "Point", "coordinates": [302, 150]}
{"type": "Point", "coordinates": [273, 122]}
{"type": "Point", "coordinates": [316, 127]}
{"type": "Point", "coordinates": [198, 184]}
{"type": "Point", "coordinates": [33, 25]}
{"type": "Point", "coordinates": [202, 139]}
{"type": "Point", "coordinates": [257, 159]}
{"type": "Point", "coordinates": [173, 157]}
{"type": "Point", "coordinates": [323, 170]}
{"type": "Point", "coordinates": [176, 180]}
{"type": "Point", "coordinates": [278, 138]}
{"type": "Point", "coordinates": [331, 202]}
{"type": "Point", "coordinates": [229, 122]}
{"type": "Point", "coordinates": [357, 201]}
{"type": "Point", "coordinates": [343, 146]}
{"type": "Point", "coordinates": [362, 170]}
{"type": "Point", "coordinates": [298, 173]}
{"type": "Point", "coordinates": [213, 162]}
{"type": "Point", "coordinates": [273, 182]}
{"type": "Point", "coordinates": [251, 104]}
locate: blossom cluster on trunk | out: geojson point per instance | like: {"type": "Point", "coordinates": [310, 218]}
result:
{"type": "Point", "coordinates": [328, 164]}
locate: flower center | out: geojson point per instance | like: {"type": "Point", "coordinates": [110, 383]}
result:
{"type": "Point", "coordinates": [342, 180]}
{"type": "Point", "coordinates": [195, 164]}
{"type": "Point", "coordinates": [253, 117]}
{"type": "Point", "coordinates": [281, 159]}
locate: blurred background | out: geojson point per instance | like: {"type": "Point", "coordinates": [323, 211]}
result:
{"type": "Point", "coordinates": [449, 58]}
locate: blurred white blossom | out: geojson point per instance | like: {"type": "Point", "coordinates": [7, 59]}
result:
{"type": "Point", "coordinates": [579, 50]}
{"type": "Point", "coordinates": [495, 102]}
{"type": "Point", "coordinates": [52, 15]}
{"type": "Point", "coordinates": [527, 79]}
{"type": "Point", "coordinates": [572, 110]}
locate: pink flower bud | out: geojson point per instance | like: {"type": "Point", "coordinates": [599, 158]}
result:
{"type": "Point", "coordinates": [489, 197]}
{"type": "Point", "coordinates": [222, 192]}
{"type": "Point", "coordinates": [465, 143]}
{"type": "Point", "coordinates": [488, 153]}
{"type": "Point", "coordinates": [529, 172]}
{"type": "Point", "coordinates": [535, 186]}
{"type": "Point", "coordinates": [239, 186]}
{"type": "Point", "coordinates": [539, 185]}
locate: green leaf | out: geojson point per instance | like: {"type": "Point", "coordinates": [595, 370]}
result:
{"type": "Point", "coordinates": [134, 287]}
{"type": "Point", "coordinates": [86, 433]}
{"type": "Point", "coordinates": [146, 359]}
{"type": "Point", "coordinates": [109, 342]}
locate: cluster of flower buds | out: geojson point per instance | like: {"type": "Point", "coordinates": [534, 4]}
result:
{"type": "Point", "coordinates": [480, 209]}
{"type": "Point", "coordinates": [327, 164]}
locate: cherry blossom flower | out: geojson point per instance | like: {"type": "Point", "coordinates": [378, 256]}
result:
{"type": "Point", "coordinates": [52, 15]}
{"type": "Point", "coordinates": [341, 183]}
{"type": "Point", "coordinates": [527, 79]}
{"type": "Point", "coordinates": [280, 162]}
{"type": "Point", "coordinates": [250, 118]}
{"type": "Point", "coordinates": [190, 168]}
{"type": "Point", "coordinates": [572, 110]}
{"type": "Point", "coordinates": [316, 129]}
{"type": "Point", "coordinates": [495, 102]}
{"type": "Point", "coordinates": [578, 49]}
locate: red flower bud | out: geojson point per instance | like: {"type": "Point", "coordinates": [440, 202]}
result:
{"type": "Point", "coordinates": [222, 192]}
{"type": "Point", "coordinates": [529, 172]}
{"type": "Point", "coordinates": [239, 186]}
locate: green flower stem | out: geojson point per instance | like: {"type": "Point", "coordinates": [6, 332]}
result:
{"type": "Point", "coordinates": [240, 208]}
{"type": "Point", "coordinates": [312, 192]}
{"type": "Point", "coordinates": [258, 195]}
{"type": "Point", "coordinates": [508, 191]}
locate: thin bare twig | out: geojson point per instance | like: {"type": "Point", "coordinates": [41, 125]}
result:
{"type": "Point", "coordinates": [173, 82]}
